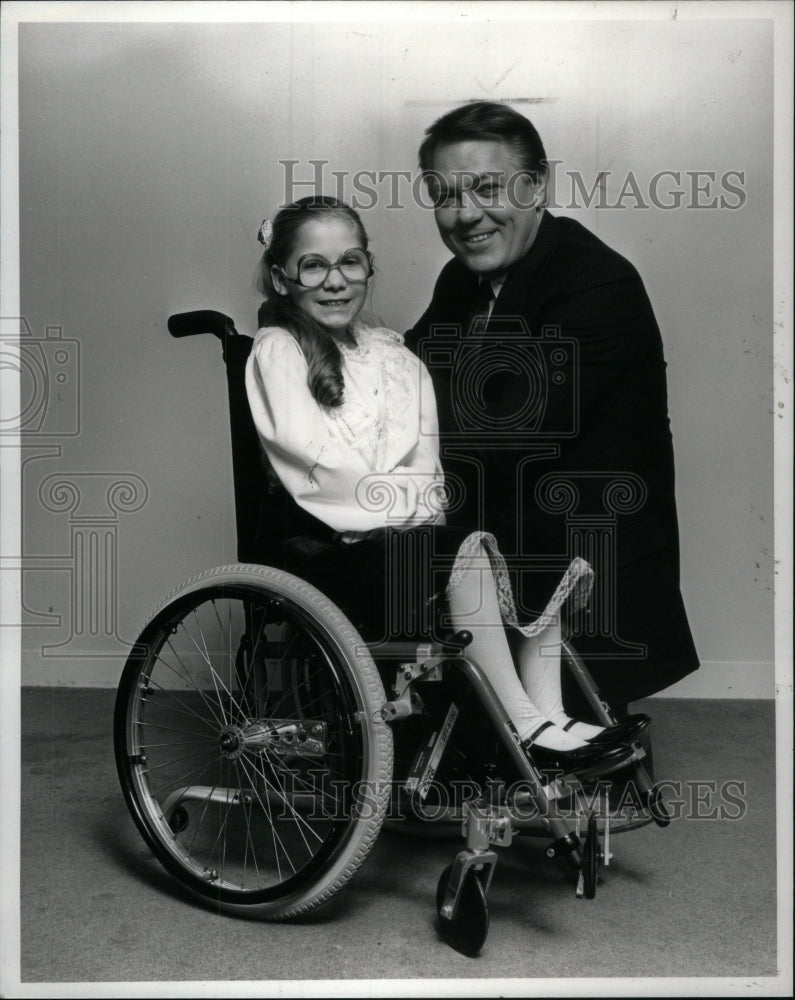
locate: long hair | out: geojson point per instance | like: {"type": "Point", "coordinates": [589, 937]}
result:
{"type": "Point", "coordinates": [320, 349]}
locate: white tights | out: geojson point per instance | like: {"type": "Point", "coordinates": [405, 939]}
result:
{"type": "Point", "coordinates": [539, 668]}
{"type": "Point", "coordinates": [536, 698]}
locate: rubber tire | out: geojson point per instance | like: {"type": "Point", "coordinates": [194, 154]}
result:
{"type": "Point", "coordinates": [590, 864]}
{"type": "Point", "coordinates": [467, 931]}
{"type": "Point", "coordinates": [364, 684]}
{"type": "Point", "coordinates": [657, 808]}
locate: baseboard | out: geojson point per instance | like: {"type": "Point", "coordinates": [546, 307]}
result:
{"type": "Point", "coordinates": [726, 679]}
{"type": "Point", "coordinates": [70, 672]}
{"type": "Point", "coordinates": [714, 679]}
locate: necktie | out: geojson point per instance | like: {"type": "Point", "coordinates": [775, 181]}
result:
{"type": "Point", "coordinates": [478, 315]}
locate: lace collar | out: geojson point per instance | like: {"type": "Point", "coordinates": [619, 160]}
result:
{"type": "Point", "coordinates": [366, 336]}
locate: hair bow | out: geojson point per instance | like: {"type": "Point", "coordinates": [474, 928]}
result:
{"type": "Point", "coordinates": [265, 234]}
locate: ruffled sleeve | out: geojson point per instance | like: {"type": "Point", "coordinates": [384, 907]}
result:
{"type": "Point", "coordinates": [422, 459]}
{"type": "Point", "coordinates": [304, 443]}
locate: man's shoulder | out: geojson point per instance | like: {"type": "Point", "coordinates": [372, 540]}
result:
{"type": "Point", "coordinates": [449, 301]}
{"type": "Point", "coordinates": [580, 253]}
{"type": "Point", "coordinates": [453, 276]}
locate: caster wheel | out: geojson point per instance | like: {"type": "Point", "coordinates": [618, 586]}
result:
{"type": "Point", "coordinates": [574, 859]}
{"type": "Point", "coordinates": [591, 856]}
{"type": "Point", "coordinates": [178, 819]}
{"type": "Point", "coordinates": [657, 807]}
{"type": "Point", "coordinates": [466, 932]}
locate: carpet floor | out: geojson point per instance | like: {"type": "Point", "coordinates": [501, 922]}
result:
{"type": "Point", "coordinates": [697, 899]}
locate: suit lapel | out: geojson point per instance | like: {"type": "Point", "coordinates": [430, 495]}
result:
{"type": "Point", "coordinates": [459, 298]}
{"type": "Point", "coordinates": [527, 279]}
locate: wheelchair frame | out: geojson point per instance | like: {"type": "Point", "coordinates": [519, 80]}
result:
{"type": "Point", "coordinates": [288, 711]}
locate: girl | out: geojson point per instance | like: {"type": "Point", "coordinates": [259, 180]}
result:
{"type": "Point", "coordinates": [347, 418]}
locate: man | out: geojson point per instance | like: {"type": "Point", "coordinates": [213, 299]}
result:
{"type": "Point", "coordinates": [550, 378]}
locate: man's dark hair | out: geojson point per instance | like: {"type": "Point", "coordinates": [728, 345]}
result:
{"type": "Point", "coordinates": [486, 120]}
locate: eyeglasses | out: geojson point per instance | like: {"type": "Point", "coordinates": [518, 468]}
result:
{"type": "Point", "coordinates": [354, 265]}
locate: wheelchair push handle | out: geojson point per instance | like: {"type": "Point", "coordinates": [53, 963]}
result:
{"type": "Point", "coordinates": [191, 324]}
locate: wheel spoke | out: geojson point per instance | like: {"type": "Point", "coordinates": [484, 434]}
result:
{"type": "Point", "coordinates": [173, 729]}
{"type": "Point", "coordinates": [198, 824]}
{"type": "Point", "coordinates": [181, 780]}
{"type": "Point", "coordinates": [282, 796]}
{"type": "Point", "coordinates": [184, 710]}
{"type": "Point", "coordinates": [274, 709]}
{"type": "Point", "coordinates": [186, 677]}
{"type": "Point", "coordinates": [247, 677]}
{"type": "Point", "coordinates": [228, 690]}
{"type": "Point", "coordinates": [170, 763]}
{"type": "Point", "coordinates": [177, 743]}
{"type": "Point", "coordinates": [222, 833]}
{"type": "Point", "coordinates": [274, 832]}
{"type": "Point", "coordinates": [206, 656]}
{"type": "Point", "coordinates": [247, 809]}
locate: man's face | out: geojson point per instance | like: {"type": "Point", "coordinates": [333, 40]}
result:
{"type": "Point", "coordinates": [487, 208]}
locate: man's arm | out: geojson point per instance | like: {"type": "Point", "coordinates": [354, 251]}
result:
{"type": "Point", "coordinates": [617, 340]}
{"type": "Point", "coordinates": [446, 302]}
{"type": "Point", "coordinates": [419, 330]}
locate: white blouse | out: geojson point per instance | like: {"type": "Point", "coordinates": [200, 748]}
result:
{"type": "Point", "coordinates": [372, 462]}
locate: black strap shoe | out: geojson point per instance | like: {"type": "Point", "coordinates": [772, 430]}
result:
{"type": "Point", "coordinates": [626, 731]}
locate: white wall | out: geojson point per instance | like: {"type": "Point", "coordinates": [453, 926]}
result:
{"type": "Point", "coordinates": [150, 153]}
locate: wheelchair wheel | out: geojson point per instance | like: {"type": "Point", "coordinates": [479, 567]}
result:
{"type": "Point", "coordinates": [466, 931]}
{"type": "Point", "coordinates": [248, 744]}
{"type": "Point", "coordinates": [592, 856]}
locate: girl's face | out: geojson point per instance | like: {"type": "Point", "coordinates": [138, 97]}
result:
{"type": "Point", "coordinates": [336, 300]}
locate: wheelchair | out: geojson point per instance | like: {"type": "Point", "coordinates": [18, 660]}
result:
{"type": "Point", "coordinates": [261, 745]}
